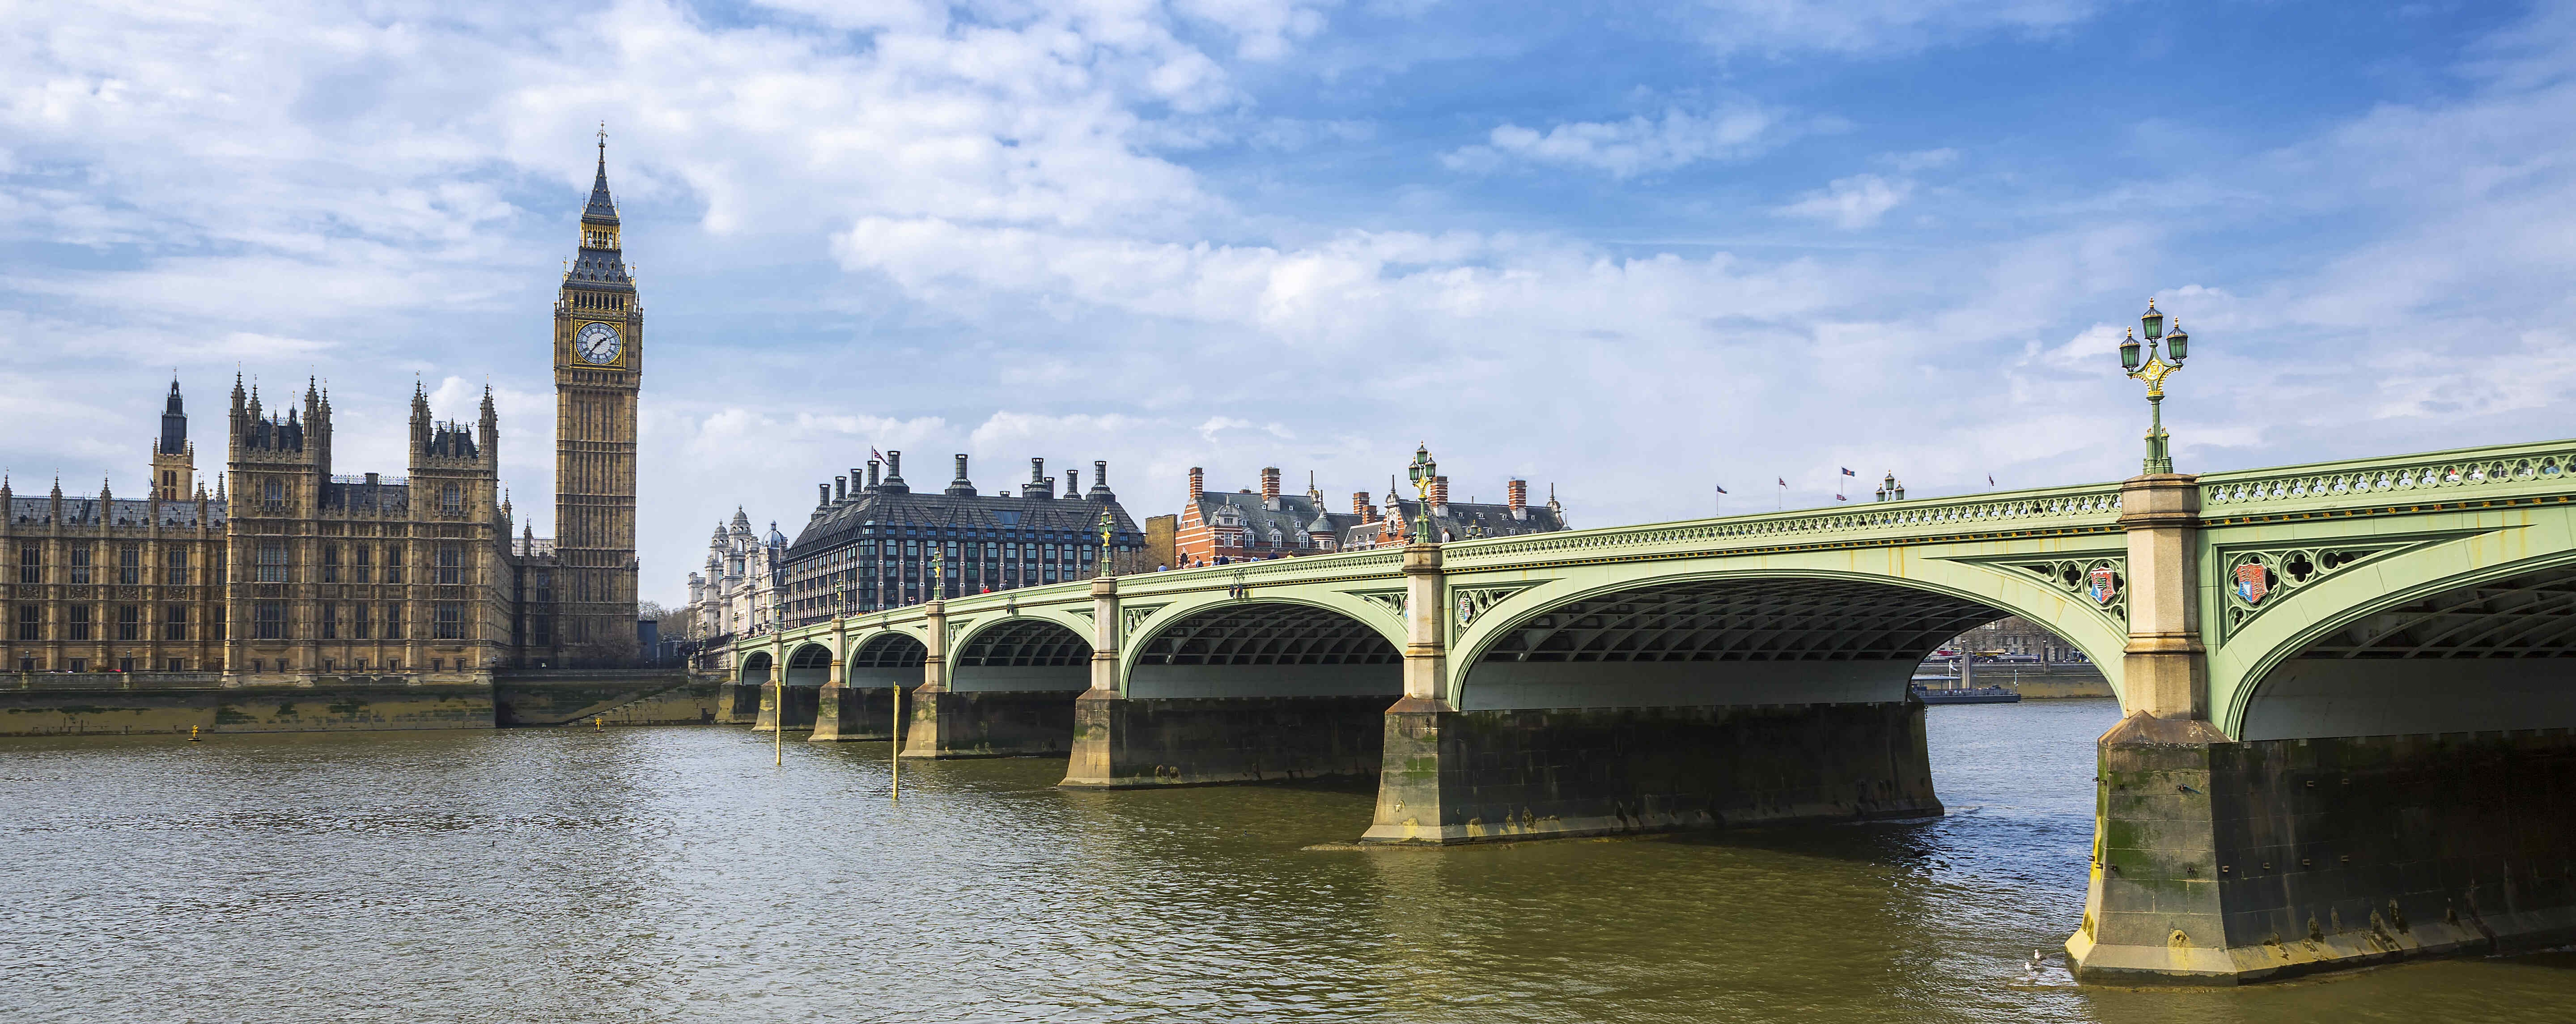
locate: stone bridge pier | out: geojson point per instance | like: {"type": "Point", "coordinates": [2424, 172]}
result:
{"type": "Point", "coordinates": [1246, 690]}
{"type": "Point", "coordinates": [1004, 688]}
{"type": "Point", "coordinates": [2320, 768]}
{"type": "Point", "coordinates": [1680, 703]}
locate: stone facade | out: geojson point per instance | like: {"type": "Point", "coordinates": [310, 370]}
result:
{"type": "Point", "coordinates": [738, 594]}
{"type": "Point", "coordinates": [298, 573]}
{"type": "Point", "coordinates": [599, 369]}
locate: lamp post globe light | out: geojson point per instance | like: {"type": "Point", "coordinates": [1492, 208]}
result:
{"type": "Point", "coordinates": [2153, 369]}
{"type": "Point", "coordinates": [1422, 472]}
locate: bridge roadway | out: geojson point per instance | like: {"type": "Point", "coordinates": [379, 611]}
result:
{"type": "Point", "coordinates": [2345, 687]}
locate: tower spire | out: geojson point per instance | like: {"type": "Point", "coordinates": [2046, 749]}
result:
{"type": "Point", "coordinates": [601, 209]}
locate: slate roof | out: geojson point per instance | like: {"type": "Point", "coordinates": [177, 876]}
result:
{"type": "Point", "coordinates": [995, 515]}
{"type": "Point", "coordinates": [601, 209]}
{"type": "Point", "coordinates": [1492, 520]}
{"type": "Point", "coordinates": [1295, 514]}
{"type": "Point", "coordinates": [377, 497]}
{"type": "Point", "coordinates": [119, 511]}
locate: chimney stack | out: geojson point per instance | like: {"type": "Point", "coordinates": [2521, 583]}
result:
{"type": "Point", "coordinates": [1439, 493]}
{"type": "Point", "coordinates": [1038, 486]}
{"type": "Point", "coordinates": [894, 474]}
{"type": "Point", "coordinates": [872, 475]}
{"type": "Point", "coordinates": [822, 494]}
{"type": "Point", "coordinates": [1100, 481]}
{"type": "Point", "coordinates": [1198, 482]}
{"type": "Point", "coordinates": [1073, 483]}
{"type": "Point", "coordinates": [1517, 491]}
{"type": "Point", "coordinates": [1270, 487]}
{"type": "Point", "coordinates": [961, 486]}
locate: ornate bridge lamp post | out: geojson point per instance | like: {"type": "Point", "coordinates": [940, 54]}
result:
{"type": "Point", "coordinates": [1423, 472]}
{"type": "Point", "coordinates": [1108, 523]}
{"type": "Point", "coordinates": [2154, 370]}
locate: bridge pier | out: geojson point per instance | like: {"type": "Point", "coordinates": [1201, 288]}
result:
{"type": "Point", "coordinates": [738, 703]}
{"type": "Point", "coordinates": [854, 714]}
{"type": "Point", "coordinates": [1470, 776]}
{"type": "Point", "coordinates": [1458, 776]}
{"type": "Point", "coordinates": [2331, 835]}
{"type": "Point", "coordinates": [1123, 742]}
{"type": "Point", "coordinates": [802, 702]}
{"type": "Point", "coordinates": [943, 720]}
{"type": "Point", "coordinates": [2222, 862]}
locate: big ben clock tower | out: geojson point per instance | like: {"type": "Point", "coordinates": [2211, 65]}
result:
{"type": "Point", "coordinates": [599, 367]}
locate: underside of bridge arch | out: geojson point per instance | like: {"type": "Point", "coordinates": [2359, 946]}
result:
{"type": "Point", "coordinates": [809, 666]}
{"type": "Point", "coordinates": [1267, 649]}
{"type": "Point", "coordinates": [862, 707]}
{"type": "Point", "coordinates": [2496, 654]}
{"type": "Point", "coordinates": [1720, 642]}
{"type": "Point", "coordinates": [2402, 784]}
{"type": "Point", "coordinates": [1678, 704]}
{"type": "Point", "coordinates": [1009, 692]}
{"type": "Point", "coordinates": [1242, 692]}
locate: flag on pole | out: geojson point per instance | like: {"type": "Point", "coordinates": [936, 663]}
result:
{"type": "Point", "coordinates": [1784, 481]}
{"type": "Point", "coordinates": [1721, 489]}
{"type": "Point", "coordinates": [873, 453]}
{"type": "Point", "coordinates": [1847, 471]}
{"type": "Point", "coordinates": [1990, 479]}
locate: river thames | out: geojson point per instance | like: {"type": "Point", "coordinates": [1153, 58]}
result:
{"type": "Point", "coordinates": [673, 875]}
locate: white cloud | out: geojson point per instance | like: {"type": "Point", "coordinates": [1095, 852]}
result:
{"type": "Point", "coordinates": [1627, 148]}
{"type": "Point", "coordinates": [1854, 202]}
{"type": "Point", "coordinates": [884, 226]}
{"type": "Point", "coordinates": [1781, 28]}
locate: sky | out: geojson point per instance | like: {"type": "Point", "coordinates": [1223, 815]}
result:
{"type": "Point", "coordinates": [1629, 252]}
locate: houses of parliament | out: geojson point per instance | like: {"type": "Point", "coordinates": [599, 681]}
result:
{"type": "Point", "coordinates": [284, 569]}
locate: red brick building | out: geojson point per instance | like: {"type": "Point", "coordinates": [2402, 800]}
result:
{"type": "Point", "coordinates": [1217, 527]}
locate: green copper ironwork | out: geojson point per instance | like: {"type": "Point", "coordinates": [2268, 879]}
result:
{"type": "Point", "coordinates": [2154, 370]}
{"type": "Point", "coordinates": [1424, 472]}
{"type": "Point", "coordinates": [1108, 523]}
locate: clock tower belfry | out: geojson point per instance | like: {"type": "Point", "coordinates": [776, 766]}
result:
{"type": "Point", "coordinates": [599, 366]}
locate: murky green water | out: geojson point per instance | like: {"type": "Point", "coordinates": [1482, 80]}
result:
{"type": "Point", "coordinates": [673, 875]}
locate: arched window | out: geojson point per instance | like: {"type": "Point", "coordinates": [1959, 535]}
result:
{"type": "Point", "coordinates": [450, 499]}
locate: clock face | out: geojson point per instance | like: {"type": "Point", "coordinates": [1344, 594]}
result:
{"type": "Point", "coordinates": [597, 344]}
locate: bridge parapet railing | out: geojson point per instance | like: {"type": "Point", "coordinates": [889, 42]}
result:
{"type": "Point", "coordinates": [2080, 507]}
{"type": "Point", "coordinates": [2500, 471]}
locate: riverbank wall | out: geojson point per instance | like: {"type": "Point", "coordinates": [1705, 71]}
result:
{"type": "Point", "coordinates": [104, 704]}
{"type": "Point", "coordinates": [2034, 681]}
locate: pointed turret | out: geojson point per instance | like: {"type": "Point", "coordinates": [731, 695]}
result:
{"type": "Point", "coordinates": [174, 422]}
{"type": "Point", "coordinates": [602, 209]}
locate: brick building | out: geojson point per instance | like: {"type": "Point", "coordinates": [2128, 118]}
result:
{"type": "Point", "coordinates": [1216, 528]}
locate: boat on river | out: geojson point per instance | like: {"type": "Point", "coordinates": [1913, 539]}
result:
{"type": "Point", "coordinates": [1966, 695]}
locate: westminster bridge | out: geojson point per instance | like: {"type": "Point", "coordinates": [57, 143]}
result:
{"type": "Point", "coordinates": [2345, 687]}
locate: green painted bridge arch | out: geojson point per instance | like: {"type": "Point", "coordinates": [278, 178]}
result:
{"type": "Point", "coordinates": [2349, 716]}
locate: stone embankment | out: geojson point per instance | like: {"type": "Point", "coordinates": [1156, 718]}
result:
{"type": "Point", "coordinates": [95, 704]}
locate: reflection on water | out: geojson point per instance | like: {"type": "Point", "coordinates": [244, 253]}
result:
{"type": "Point", "coordinates": [673, 875]}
